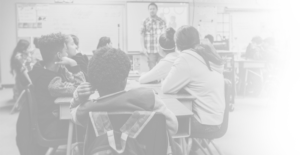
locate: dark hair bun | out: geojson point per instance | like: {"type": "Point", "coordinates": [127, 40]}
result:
{"type": "Point", "coordinates": [36, 42]}
{"type": "Point", "coordinates": [170, 34]}
{"type": "Point", "coordinates": [166, 40]}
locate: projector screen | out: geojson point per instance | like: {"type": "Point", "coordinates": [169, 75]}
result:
{"type": "Point", "coordinates": [175, 15]}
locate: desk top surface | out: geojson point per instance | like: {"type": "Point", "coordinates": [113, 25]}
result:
{"type": "Point", "coordinates": [131, 84]}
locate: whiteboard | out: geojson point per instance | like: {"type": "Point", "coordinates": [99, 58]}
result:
{"type": "Point", "coordinates": [138, 12]}
{"type": "Point", "coordinates": [246, 25]}
{"type": "Point", "coordinates": [88, 22]}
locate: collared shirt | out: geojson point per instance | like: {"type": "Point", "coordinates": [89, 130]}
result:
{"type": "Point", "coordinates": [152, 28]}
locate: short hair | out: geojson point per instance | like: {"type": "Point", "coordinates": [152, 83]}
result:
{"type": "Point", "coordinates": [103, 41]}
{"type": "Point", "coordinates": [257, 39]}
{"type": "Point", "coordinates": [152, 3]}
{"type": "Point", "coordinates": [75, 39]}
{"type": "Point", "coordinates": [210, 38]}
{"type": "Point", "coordinates": [108, 69]}
{"type": "Point", "coordinates": [269, 41]}
{"type": "Point", "coordinates": [50, 45]}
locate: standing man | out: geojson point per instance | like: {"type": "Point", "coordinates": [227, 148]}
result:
{"type": "Point", "coordinates": [152, 28]}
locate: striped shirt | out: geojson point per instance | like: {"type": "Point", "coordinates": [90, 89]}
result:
{"type": "Point", "coordinates": [152, 28]}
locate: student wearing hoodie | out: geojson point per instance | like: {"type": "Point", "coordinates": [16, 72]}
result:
{"type": "Point", "coordinates": [199, 71]}
{"type": "Point", "coordinates": [168, 52]}
{"type": "Point", "coordinates": [51, 79]}
{"type": "Point", "coordinates": [108, 71]}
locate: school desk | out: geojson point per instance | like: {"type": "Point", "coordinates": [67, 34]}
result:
{"type": "Point", "coordinates": [245, 67]}
{"type": "Point", "coordinates": [182, 113]}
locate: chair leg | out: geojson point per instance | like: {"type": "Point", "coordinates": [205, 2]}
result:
{"type": "Point", "coordinates": [267, 103]}
{"type": "Point", "coordinates": [51, 151]}
{"type": "Point", "coordinates": [17, 103]}
{"type": "Point", "coordinates": [200, 146]}
{"type": "Point", "coordinates": [207, 147]}
{"type": "Point", "coordinates": [216, 147]}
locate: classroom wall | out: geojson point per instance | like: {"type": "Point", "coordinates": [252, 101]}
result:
{"type": "Point", "coordinates": [8, 24]}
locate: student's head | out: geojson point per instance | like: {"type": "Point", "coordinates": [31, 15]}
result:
{"type": "Point", "coordinates": [52, 47]}
{"type": "Point", "coordinates": [270, 41]}
{"type": "Point", "coordinates": [22, 47]}
{"type": "Point", "coordinates": [257, 40]}
{"type": "Point", "coordinates": [166, 42]}
{"type": "Point", "coordinates": [210, 38]}
{"type": "Point", "coordinates": [71, 47]}
{"type": "Point", "coordinates": [104, 41]}
{"type": "Point", "coordinates": [187, 38]}
{"type": "Point", "coordinates": [152, 8]}
{"type": "Point", "coordinates": [108, 70]}
{"type": "Point", "coordinates": [76, 40]}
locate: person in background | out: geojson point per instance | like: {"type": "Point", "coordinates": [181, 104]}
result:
{"type": "Point", "coordinates": [20, 64]}
{"type": "Point", "coordinates": [152, 28]}
{"type": "Point", "coordinates": [169, 54]}
{"type": "Point", "coordinates": [199, 71]}
{"type": "Point", "coordinates": [104, 42]}
{"type": "Point", "coordinates": [254, 49]}
{"type": "Point", "coordinates": [269, 49]}
{"type": "Point", "coordinates": [210, 38]}
{"type": "Point", "coordinates": [51, 79]}
{"type": "Point", "coordinates": [291, 45]}
{"type": "Point", "coordinates": [72, 49]}
{"type": "Point", "coordinates": [108, 72]}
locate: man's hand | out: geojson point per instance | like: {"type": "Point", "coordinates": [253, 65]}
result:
{"type": "Point", "coordinates": [67, 61]}
{"type": "Point", "coordinates": [84, 91]}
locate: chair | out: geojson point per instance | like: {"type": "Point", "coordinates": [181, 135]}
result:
{"type": "Point", "coordinates": [53, 144]}
{"type": "Point", "coordinates": [26, 81]}
{"type": "Point", "coordinates": [209, 137]}
{"type": "Point", "coordinates": [153, 136]}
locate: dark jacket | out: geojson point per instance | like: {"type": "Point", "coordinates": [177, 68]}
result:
{"type": "Point", "coordinates": [82, 62]}
{"type": "Point", "coordinates": [48, 86]}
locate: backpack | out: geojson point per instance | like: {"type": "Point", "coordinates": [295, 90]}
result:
{"type": "Point", "coordinates": [274, 86]}
{"type": "Point", "coordinates": [111, 142]}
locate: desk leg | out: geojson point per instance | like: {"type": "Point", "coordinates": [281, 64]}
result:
{"type": "Point", "coordinates": [245, 84]}
{"type": "Point", "coordinates": [70, 136]}
{"type": "Point", "coordinates": [184, 146]}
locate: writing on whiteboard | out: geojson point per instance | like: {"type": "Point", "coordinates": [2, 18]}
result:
{"type": "Point", "coordinates": [78, 13]}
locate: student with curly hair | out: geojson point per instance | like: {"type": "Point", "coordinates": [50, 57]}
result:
{"type": "Point", "coordinates": [168, 52]}
{"type": "Point", "coordinates": [51, 79]}
{"type": "Point", "coordinates": [108, 71]}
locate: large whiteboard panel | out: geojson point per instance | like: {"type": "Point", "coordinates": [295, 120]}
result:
{"type": "Point", "coordinates": [249, 24]}
{"type": "Point", "coordinates": [138, 12]}
{"type": "Point", "coordinates": [88, 22]}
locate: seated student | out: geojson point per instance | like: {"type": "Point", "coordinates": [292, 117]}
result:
{"type": "Point", "coordinates": [108, 71]}
{"type": "Point", "coordinates": [200, 72]}
{"type": "Point", "coordinates": [169, 54]}
{"type": "Point", "coordinates": [210, 38]}
{"type": "Point", "coordinates": [51, 79]}
{"type": "Point", "coordinates": [72, 46]}
{"type": "Point", "coordinates": [270, 53]}
{"type": "Point", "coordinates": [103, 42]}
{"type": "Point", "coordinates": [254, 49]}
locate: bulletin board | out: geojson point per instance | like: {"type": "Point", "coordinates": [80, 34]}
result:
{"type": "Point", "coordinates": [88, 22]}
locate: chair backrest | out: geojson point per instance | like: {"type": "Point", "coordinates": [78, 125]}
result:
{"type": "Point", "coordinates": [224, 126]}
{"type": "Point", "coordinates": [153, 136]}
{"type": "Point", "coordinates": [40, 139]}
